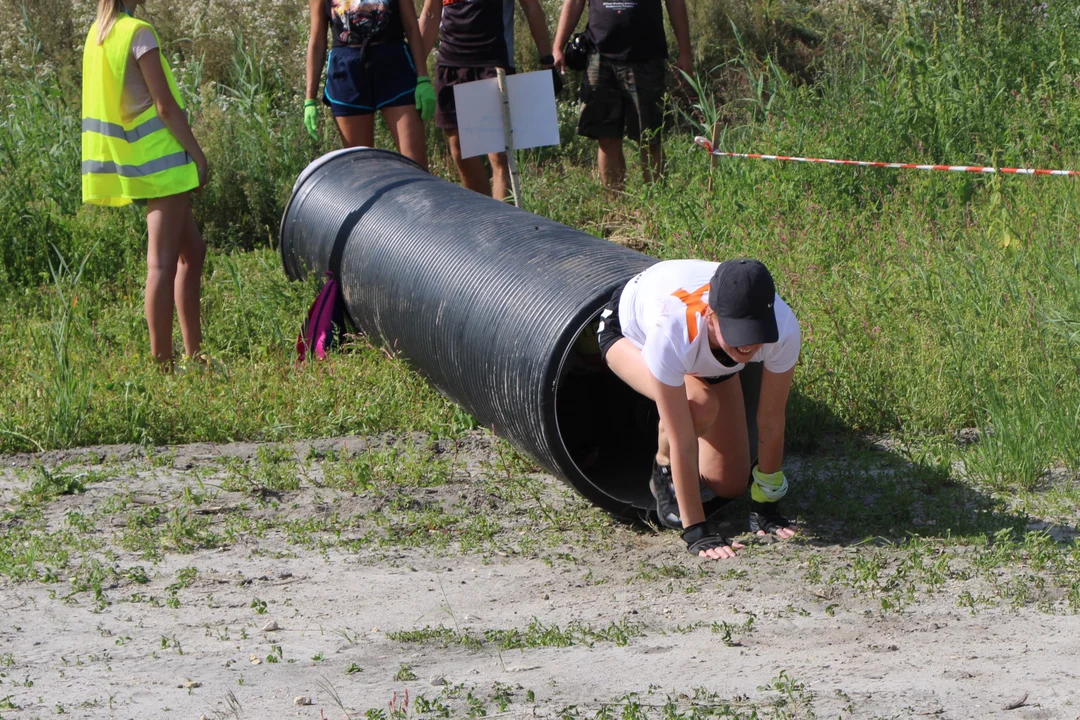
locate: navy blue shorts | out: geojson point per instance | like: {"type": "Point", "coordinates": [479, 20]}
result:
{"type": "Point", "coordinates": [359, 83]}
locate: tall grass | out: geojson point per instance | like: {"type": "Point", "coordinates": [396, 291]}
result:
{"type": "Point", "coordinates": [68, 385]}
{"type": "Point", "coordinates": [930, 302]}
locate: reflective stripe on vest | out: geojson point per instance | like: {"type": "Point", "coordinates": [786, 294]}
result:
{"type": "Point", "coordinates": [126, 158]}
{"type": "Point", "coordinates": [117, 131]}
{"type": "Point", "coordinates": [147, 168]}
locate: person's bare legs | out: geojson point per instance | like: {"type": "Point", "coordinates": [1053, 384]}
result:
{"type": "Point", "coordinates": [724, 448]}
{"type": "Point", "coordinates": [166, 225]}
{"type": "Point", "coordinates": [652, 160]}
{"type": "Point", "coordinates": [500, 176]}
{"type": "Point", "coordinates": [626, 362]}
{"type": "Point", "coordinates": [708, 405]}
{"type": "Point", "coordinates": [609, 156]}
{"type": "Point", "coordinates": [187, 287]}
{"type": "Point", "coordinates": [473, 174]}
{"type": "Point", "coordinates": [356, 130]}
{"type": "Point", "coordinates": [407, 129]}
{"type": "Point", "coordinates": [719, 421]}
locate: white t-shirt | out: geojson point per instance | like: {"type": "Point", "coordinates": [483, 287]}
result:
{"type": "Point", "coordinates": [135, 96]}
{"type": "Point", "coordinates": [662, 313]}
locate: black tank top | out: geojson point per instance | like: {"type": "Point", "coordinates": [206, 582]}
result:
{"type": "Point", "coordinates": [477, 33]}
{"type": "Point", "coordinates": [359, 22]}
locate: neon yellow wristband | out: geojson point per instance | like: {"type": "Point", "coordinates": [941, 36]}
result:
{"type": "Point", "coordinates": [310, 103]}
{"type": "Point", "coordinates": [768, 478]}
{"type": "Point", "coordinates": [423, 79]}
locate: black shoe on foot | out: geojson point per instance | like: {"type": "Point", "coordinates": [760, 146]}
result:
{"type": "Point", "coordinates": [663, 490]}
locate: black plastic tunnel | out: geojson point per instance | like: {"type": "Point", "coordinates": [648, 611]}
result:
{"type": "Point", "coordinates": [497, 307]}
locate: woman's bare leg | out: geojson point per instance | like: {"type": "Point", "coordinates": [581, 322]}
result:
{"type": "Point", "coordinates": [166, 225]}
{"type": "Point", "coordinates": [472, 171]}
{"type": "Point", "coordinates": [625, 361]}
{"type": "Point", "coordinates": [706, 403]}
{"type": "Point", "coordinates": [407, 129]}
{"type": "Point", "coordinates": [188, 285]}
{"type": "Point", "coordinates": [357, 130]}
{"type": "Point", "coordinates": [500, 176]}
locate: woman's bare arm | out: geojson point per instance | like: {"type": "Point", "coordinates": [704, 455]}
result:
{"type": "Point", "coordinates": [430, 17]}
{"type": "Point", "coordinates": [675, 415]}
{"type": "Point", "coordinates": [169, 111]}
{"type": "Point", "coordinates": [534, 14]}
{"type": "Point", "coordinates": [771, 418]}
{"type": "Point", "coordinates": [412, 34]}
{"type": "Point", "coordinates": [316, 48]}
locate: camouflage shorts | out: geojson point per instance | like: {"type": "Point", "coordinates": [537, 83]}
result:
{"type": "Point", "coordinates": [622, 99]}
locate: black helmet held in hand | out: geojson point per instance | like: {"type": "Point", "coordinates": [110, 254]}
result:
{"type": "Point", "coordinates": [576, 52]}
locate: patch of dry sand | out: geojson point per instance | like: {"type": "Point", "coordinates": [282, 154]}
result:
{"type": "Point", "coordinates": [328, 614]}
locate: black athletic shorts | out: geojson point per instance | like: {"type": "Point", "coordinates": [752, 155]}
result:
{"type": "Point", "coordinates": [610, 331]}
{"type": "Point", "coordinates": [360, 81]}
{"type": "Point", "coordinates": [446, 78]}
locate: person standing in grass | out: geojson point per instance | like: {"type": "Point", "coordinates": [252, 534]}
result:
{"type": "Point", "coordinates": [137, 146]}
{"type": "Point", "coordinates": [476, 37]}
{"type": "Point", "coordinates": [377, 62]}
{"type": "Point", "coordinates": [678, 333]}
{"type": "Point", "coordinates": [622, 93]}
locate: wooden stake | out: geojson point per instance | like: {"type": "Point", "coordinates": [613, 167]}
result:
{"type": "Point", "coordinates": [511, 161]}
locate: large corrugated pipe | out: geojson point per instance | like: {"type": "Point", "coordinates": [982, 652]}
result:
{"type": "Point", "coordinates": [497, 307]}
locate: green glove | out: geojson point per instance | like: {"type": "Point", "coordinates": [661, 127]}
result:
{"type": "Point", "coordinates": [425, 98]}
{"type": "Point", "coordinates": [311, 118]}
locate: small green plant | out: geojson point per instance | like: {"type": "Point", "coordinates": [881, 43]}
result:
{"type": "Point", "coordinates": [173, 643]}
{"type": "Point", "coordinates": [185, 577]}
{"type": "Point", "coordinates": [535, 635]}
{"type": "Point", "coordinates": [259, 606]}
{"type": "Point", "coordinates": [137, 574]}
{"type": "Point", "coordinates": [728, 630]}
{"type": "Point", "coordinates": [404, 673]}
{"type": "Point", "coordinates": [52, 483]}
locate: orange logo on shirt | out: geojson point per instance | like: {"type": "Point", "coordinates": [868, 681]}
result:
{"type": "Point", "coordinates": [694, 306]}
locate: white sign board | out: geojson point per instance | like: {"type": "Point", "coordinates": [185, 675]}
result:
{"type": "Point", "coordinates": [532, 113]}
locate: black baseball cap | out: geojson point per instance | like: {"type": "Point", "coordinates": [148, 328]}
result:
{"type": "Point", "coordinates": [742, 293]}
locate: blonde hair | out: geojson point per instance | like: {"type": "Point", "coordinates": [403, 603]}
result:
{"type": "Point", "coordinates": [107, 11]}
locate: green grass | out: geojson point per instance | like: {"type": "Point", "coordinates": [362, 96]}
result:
{"type": "Point", "coordinates": [783, 698]}
{"type": "Point", "coordinates": [535, 635]}
{"type": "Point", "coordinates": [930, 303]}
{"type": "Point", "coordinates": [256, 392]}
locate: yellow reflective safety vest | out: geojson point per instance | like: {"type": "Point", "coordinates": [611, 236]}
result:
{"type": "Point", "coordinates": [128, 159]}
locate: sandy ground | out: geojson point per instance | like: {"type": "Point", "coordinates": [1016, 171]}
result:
{"type": "Point", "coordinates": [266, 624]}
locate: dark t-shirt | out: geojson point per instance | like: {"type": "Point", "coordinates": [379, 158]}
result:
{"type": "Point", "coordinates": [627, 30]}
{"type": "Point", "coordinates": [356, 22]}
{"type": "Point", "coordinates": [477, 33]}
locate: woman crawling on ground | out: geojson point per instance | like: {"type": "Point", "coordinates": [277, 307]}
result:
{"type": "Point", "coordinates": [678, 333]}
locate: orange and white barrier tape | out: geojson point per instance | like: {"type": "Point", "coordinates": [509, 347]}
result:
{"type": "Point", "coordinates": [898, 166]}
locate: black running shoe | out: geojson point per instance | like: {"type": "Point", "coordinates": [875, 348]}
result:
{"type": "Point", "coordinates": [663, 490]}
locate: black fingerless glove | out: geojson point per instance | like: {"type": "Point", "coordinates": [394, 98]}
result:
{"type": "Point", "coordinates": [556, 80]}
{"type": "Point", "coordinates": [766, 517]}
{"type": "Point", "coordinates": [701, 537]}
